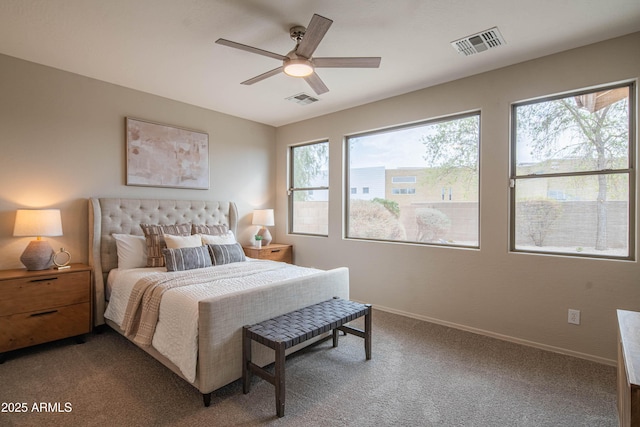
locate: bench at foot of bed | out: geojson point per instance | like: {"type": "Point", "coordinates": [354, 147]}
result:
{"type": "Point", "coordinates": [287, 330]}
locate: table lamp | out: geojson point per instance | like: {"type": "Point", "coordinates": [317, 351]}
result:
{"type": "Point", "coordinates": [263, 218]}
{"type": "Point", "coordinates": [37, 223]}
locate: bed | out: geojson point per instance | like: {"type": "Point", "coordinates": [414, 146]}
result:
{"type": "Point", "coordinates": [219, 316]}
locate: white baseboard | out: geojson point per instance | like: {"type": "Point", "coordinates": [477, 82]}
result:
{"type": "Point", "coordinates": [560, 350]}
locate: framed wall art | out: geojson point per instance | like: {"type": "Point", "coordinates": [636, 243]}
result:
{"type": "Point", "coordinates": [166, 156]}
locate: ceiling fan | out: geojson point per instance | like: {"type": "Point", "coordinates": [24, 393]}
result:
{"type": "Point", "coordinates": [299, 62]}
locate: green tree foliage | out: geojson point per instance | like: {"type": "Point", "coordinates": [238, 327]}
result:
{"type": "Point", "coordinates": [310, 162]}
{"type": "Point", "coordinates": [452, 149]}
{"type": "Point", "coordinates": [391, 206]}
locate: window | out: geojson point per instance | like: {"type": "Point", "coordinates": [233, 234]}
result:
{"type": "Point", "coordinates": [406, 169]}
{"type": "Point", "coordinates": [403, 179]}
{"type": "Point", "coordinates": [309, 189]}
{"type": "Point", "coordinates": [572, 170]}
{"type": "Point", "coordinates": [403, 191]}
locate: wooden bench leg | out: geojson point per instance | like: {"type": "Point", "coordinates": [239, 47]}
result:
{"type": "Point", "coordinates": [279, 379]}
{"type": "Point", "coordinates": [246, 359]}
{"type": "Point", "coordinates": [335, 337]}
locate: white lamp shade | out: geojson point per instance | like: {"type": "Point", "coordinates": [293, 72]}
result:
{"type": "Point", "coordinates": [263, 217]}
{"type": "Point", "coordinates": [37, 223]}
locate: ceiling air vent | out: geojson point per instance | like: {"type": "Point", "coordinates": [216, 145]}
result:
{"type": "Point", "coordinates": [302, 99]}
{"type": "Point", "coordinates": [480, 42]}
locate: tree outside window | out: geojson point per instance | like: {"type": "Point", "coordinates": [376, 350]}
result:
{"type": "Point", "coordinates": [572, 171]}
{"type": "Point", "coordinates": [309, 188]}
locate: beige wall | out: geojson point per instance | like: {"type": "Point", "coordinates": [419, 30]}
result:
{"type": "Point", "coordinates": [520, 297]}
{"type": "Point", "coordinates": [62, 140]}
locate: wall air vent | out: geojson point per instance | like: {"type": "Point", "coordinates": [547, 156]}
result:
{"type": "Point", "coordinates": [480, 42]}
{"type": "Point", "coordinates": [302, 99]}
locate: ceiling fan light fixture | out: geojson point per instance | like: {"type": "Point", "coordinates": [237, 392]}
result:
{"type": "Point", "coordinates": [298, 67]}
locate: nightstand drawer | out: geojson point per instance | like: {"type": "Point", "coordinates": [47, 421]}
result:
{"type": "Point", "coordinates": [276, 254]}
{"type": "Point", "coordinates": [26, 329]}
{"type": "Point", "coordinates": [273, 252]}
{"type": "Point", "coordinates": [29, 294]}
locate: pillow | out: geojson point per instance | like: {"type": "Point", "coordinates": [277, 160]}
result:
{"type": "Point", "coordinates": [132, 250]}
{"type": "Point", "coordinates": [186, 258]}
{"type": "Point", "coordinates": [177, 242]}
{"type": "Point", "coordinates": [154, 235]}
{"type": "Point", "coordinates": [214, 230]}
{"type": "Point", "coordinates": [226, 254]}
{"type": "Point", "coordinates": [223, 239]}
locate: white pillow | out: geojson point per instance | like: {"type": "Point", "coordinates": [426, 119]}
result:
{"type": "Point", "coordinates": [223, 239]}
{"type": "Point", "coordinates": [177, 242]}
{"type": "Point", "coordinates": [132, 251]}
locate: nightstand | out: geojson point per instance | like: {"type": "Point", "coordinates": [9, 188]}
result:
{"type": "Point", "coordinates": [42, 306]}
{"type": "Point", "coordinates": [274, 252]}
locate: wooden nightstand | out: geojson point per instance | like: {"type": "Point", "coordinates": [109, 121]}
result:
{"type": "Point", "coordinates": [42, 306]}
{"type": "Point", "coordinates": [274, 252]}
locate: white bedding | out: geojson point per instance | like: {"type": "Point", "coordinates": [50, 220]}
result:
{"type": "Point", "coordinates": [176, 335]}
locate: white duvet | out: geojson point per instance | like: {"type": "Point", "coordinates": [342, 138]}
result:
{"type": "Point", "coordinates": [176, 335]}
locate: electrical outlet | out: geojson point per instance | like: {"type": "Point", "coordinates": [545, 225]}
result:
{"type": "Point", "coordinates": [574, 316]}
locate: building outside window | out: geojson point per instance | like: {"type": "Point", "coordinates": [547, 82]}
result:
{"type": "Point", "coordinates": [572, 174]}
{"type": "Point", "coordinates": [406, 168]}
{"type": "Point", "coordinates": [309, 188]}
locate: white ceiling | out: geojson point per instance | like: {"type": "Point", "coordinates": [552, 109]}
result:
{"type": "Point", "coordinates": [166, 47]}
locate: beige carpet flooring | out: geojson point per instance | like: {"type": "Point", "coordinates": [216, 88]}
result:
{"type": "Point", "coordinates": [421, 374]}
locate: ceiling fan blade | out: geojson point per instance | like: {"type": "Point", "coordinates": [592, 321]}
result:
{"type": "Point", "coordinates": [251, 49]}
{"type": "Point", "coordinates": [316, 84]}
{"type": "Point", "coordinates": [262, 76]}
{"type": "Point", "coordinates": [316, 30]}
{"type": "Point", "coordinates": [348, 62]}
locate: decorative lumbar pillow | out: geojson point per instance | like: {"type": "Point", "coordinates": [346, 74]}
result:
{"type": "Point", "coordinates": [132, 250]}
{"type": "Point", "coordinates": [177, 242]}
{"type": "Point", "coordinates": [154, 235]}
{"type": "Point", "coordinates": [186, 258]}
{"type": "Point", "coordinates": [214, 230]}
{"type": "Point", "coordinates": [226, 254]}
{"type": "Point", "coordinates": [223, 239]}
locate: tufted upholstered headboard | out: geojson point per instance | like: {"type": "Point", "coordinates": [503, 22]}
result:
{"type": "Point", "coordinates": [113, 215]}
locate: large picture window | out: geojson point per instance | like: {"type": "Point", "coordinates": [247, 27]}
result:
{"type": "Point", "coordinates": [422, 182]}
{"type": "Point", "coordinates": [309, 189]}
{"type": "Point", "coordinates": [572, 179]}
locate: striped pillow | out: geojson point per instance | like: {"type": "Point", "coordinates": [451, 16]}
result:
{"type": "Point", "coordinates": [214, 230]}
{"type": "Point", "coordinates": [226, 254]}
{"type": "Point", "coordinates": [186, 258]}
{"type": "Point", "coordinates": [154, 234]}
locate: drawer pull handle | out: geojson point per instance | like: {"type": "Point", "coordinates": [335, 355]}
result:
{"type": "Point", "coordinates": [273, 251]}
{"type": "Point", "coordinates": [44, 280]}
{"type": "Point", "coordinates": [44, 313]}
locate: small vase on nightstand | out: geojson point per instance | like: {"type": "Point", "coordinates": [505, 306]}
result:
{"type": "Point", "coordinates": [257, 242]}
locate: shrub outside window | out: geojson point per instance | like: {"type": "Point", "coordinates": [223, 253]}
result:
{"type": "Point", "coordinates": [572, 174]}
{"type": "Point", "coordinates": [422, 180]}
{"type": "Point", "coordinates": [309, 189]}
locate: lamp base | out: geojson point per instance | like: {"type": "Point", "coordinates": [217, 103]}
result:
{"type": "Point", "coordinates": [266, 236]}
{"type": "Point", "coordinates": [38, 255]}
